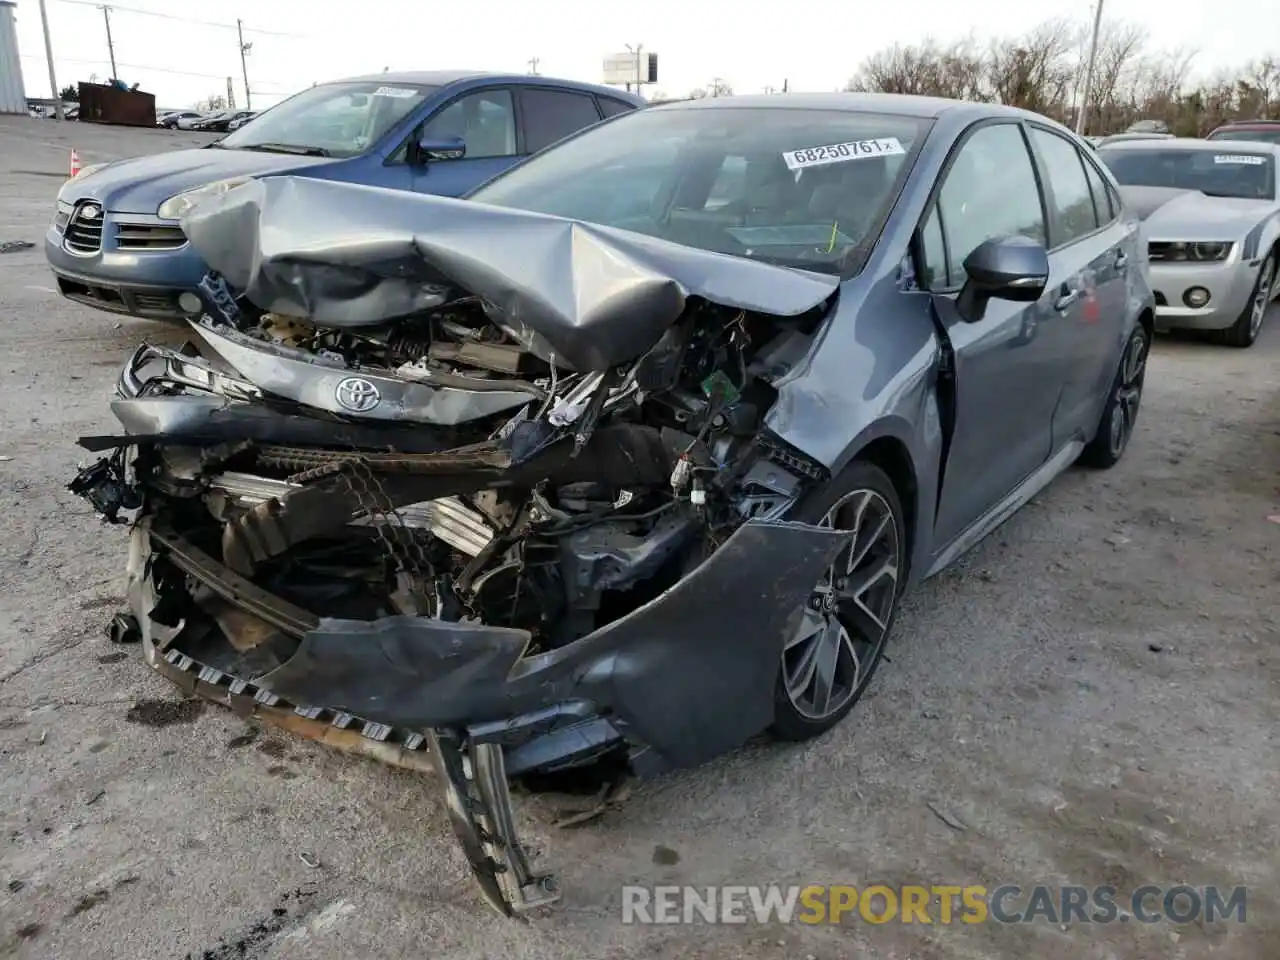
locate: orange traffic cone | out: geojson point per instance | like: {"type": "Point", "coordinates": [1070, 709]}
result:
{"type": "Point", "coordinates": [75, 164]}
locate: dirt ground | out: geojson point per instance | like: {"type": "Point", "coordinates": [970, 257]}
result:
{"type": "Point", "coordinates": [1090, 697]}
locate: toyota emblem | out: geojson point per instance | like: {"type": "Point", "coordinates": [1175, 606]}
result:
{"type": "Point", "coordinates": [91, 211]}
{"type": "Point", "coordinates": [357, 395]}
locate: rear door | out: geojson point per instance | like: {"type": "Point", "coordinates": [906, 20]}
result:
{"type": "Point", "coordinates": [549, 114]}
{"type": "Point", "coordinates": [1008, 365]}
{"type": "Point", "coordinates": [1093, 251]}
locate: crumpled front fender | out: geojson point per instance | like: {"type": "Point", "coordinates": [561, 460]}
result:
{"type": "Point", "coordinates": [691, 674]}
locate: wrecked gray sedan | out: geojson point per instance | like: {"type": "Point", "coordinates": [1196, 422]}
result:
{"type": "Point", "coordinates": [629, 457]}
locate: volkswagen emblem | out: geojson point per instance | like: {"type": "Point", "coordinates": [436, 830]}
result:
{"type": "Point", "coordinates": [90, 211]}
{"type": "Point", "coordinates": [357, 395]}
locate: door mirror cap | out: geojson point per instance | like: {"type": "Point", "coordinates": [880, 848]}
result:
{"type": "Point", "coordinates": [1009, 268]}
{"type": "Point", "coordinates": [441, 148]}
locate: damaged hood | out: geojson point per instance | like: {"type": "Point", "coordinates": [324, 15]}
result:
{"type": "Point", "coordinates": [345, 255]}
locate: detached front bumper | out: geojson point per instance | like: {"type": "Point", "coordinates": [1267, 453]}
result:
{"type": "Point", "coordinates": [1230, 285]}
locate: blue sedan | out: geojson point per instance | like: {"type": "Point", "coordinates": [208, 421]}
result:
{"type": "Point", "coordinates": [115, 242]}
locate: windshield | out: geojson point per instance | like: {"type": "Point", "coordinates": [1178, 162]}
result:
{"type": "Point", "coordinates": [807, 188]}
{"type": "Point", "coordinates": [1251, 136]}
{"type": "Point", "coordinates": [333, 119]}
{"type": "Point", "coordinates": [1225, 173]}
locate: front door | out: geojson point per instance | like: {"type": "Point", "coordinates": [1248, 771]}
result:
{"type": "Point", "coordinates": [486, 121]}
{"type": "Point", "coordinates": [1009, 365]}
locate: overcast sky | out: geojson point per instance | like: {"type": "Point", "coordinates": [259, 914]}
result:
{"type": "Point", "coordinates": [815, 45]}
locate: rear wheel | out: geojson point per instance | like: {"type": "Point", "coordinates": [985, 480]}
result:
{"type": "Point", "coordinates": [1244, 332]}
{"type": "Point", "coordinates": [1120, 412]}
{"type": "Point", "coordinates": [833, 653]}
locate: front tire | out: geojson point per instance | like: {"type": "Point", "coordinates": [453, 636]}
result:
{"type": "Point", "coordinates": [1244, 332]}
{"type": "Point", "coordinates": [831, 657]}
{"type": "Point", "coordinates": [1120, 412]}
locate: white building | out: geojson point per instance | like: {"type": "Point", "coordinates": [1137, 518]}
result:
{"type": "Point", "coordinates": [13, 98]}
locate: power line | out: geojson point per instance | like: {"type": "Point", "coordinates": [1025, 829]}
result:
{"type": "Point", "coordinates": [135, 66]}
{"type": "Point", "coordinates": [170, 16]}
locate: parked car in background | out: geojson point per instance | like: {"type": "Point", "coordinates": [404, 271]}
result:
{"type": "Point", "coordinates": [222, 122]}
{"type": "Point", "coordinates": [1122, 137]}
{"type": "Point", "coordinates": [209, 119]}
{"type": "Point", "coordinates": [1260, 131]}
{"type": "Point", "coordinates": [1212, 225]}
{"type": "Point", "coordinates": [170, 121]}
{"type": "Point", "coordinates": [241, 120]}
{"type": "Point", "coordinates": [115, 242]}
{"type": "Point", "coordinates": [189, 122]}
{"type": "Point", "coordinates": [743, 369]}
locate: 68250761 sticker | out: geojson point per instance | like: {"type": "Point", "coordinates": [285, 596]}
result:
{"type": "Point", "coordinates": [842, 152]}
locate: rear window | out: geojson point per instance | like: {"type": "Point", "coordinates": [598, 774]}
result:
{"type": "Point", "coordinates": [1229, 172]}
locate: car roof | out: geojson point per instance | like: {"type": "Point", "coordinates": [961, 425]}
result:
{"type": "Point", "coordinates": [900, 104]}
{"type": "Point", "coordinates": [1190, 143]}
{"type": "Point", "coordinates": [444, 78]}
{"type": "Point", "coordinates": [1247, 125]}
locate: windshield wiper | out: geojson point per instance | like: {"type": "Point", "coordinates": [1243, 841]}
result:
{"type": "Point", "coordinates": [287, 148]}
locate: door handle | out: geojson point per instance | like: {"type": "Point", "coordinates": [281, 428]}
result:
{"type": "Point", "coordinates": [1066, 300]}
{"type": "Point", "coordinates": [1122, 260]}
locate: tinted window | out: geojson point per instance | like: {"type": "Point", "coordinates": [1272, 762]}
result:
{"type": "Point", "coordinates": [1231, 171]}
{"type": "Point", "coordinates": [485, 120]}
{"type": "Point", "coordinates": [551, 115]}
{"type": "Point", "coordinates": [343, 119]}
{"type": "Point", "coordinates": [803, 187]}
{"type": "Point", "coordinates": [1072, 200]}
{"type": "Point", "coordinates": [1102, 199]}
{"type": "Point", "coordinates": [990, 192]}
{"type": "Point", "coordinates": [611, 107]}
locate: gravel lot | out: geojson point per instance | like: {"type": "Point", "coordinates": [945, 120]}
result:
{"type": "Point", "coordinates": [1091, 694]}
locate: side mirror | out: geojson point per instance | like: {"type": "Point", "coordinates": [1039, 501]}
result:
{"type": "Point", "coordinates": [441, 148]}
{"type": "Point", "coordinates": [1009, 268]}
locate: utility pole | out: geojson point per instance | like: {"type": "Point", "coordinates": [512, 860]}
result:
{"type": "Point", "coordinates": [533, 65]}
{"type": "Point", "coordinates": [231, 95]}
{"type": "Point", "coordinates": [1088, 72]}
{"type": "Point", "coordinates": [244, 69]}
{"type": "Point", "coordinates": [48, 55]}
{"type": "Point", "coordinates": [639, 76]}
{"type": "Point", "coordinates": [111, 47]}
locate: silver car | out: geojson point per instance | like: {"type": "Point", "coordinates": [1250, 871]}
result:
{"type": "Point", "coordinates": [1212, 224]}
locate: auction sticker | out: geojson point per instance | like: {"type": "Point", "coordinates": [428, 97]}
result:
{"type": "Point", "coordinates": [400, 93]}
{"type": "Point", "coordinates": [842, 152]}
{"type": "Point", "coordinates": [1252, 160]}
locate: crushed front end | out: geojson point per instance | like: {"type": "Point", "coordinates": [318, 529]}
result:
{"type": "Point", "coordinates": [428, 539]}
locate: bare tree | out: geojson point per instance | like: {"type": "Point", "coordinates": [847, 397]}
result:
{"type": "Point", "coordinates": [1035, 71]}
{"type": "Point", "coordinates": [1116, 67]}
{"type": "Point", "coordinates": [1043, 71]}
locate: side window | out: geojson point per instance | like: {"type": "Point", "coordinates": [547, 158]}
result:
{"type": "Point", "coordinates": [990, 191]}
{"type": "Point", "coordinates": [551, 115]}
{"type": "Point", "coordinates": [484, 119]}
{"type": "Point", "coordinates": [933, 253]}
{"type": "Point", "coordinates": [611, 107]}
{"type": "Point", "coordinates": [1101, 195]}
{"type": "Point", "coordinates": [1072, 200]}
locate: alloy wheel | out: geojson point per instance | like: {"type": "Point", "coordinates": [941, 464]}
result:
{"type": "Point", "coordinates": [1261, 298]}
{"type": "Point", "coordinates": [846, 620]}
{"type": "Point", "coordinates": [1124, 412]}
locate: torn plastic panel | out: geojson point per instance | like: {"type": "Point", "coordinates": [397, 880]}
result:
{"type": "Point", "coordinates": [344, 255]}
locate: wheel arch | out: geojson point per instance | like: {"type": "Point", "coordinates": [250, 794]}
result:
{"type": "Point", "coordinates": [892, 455]}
